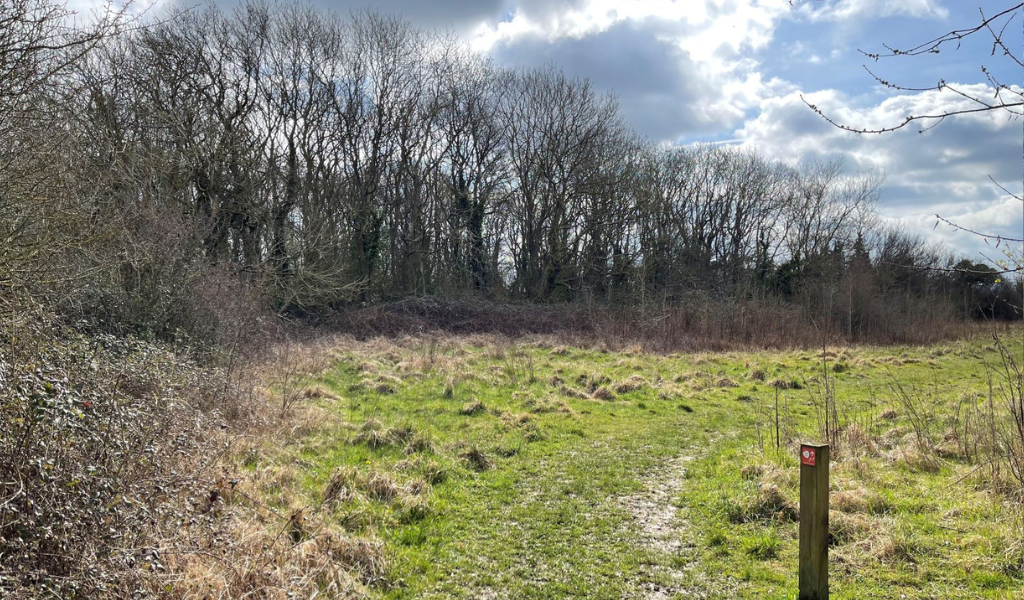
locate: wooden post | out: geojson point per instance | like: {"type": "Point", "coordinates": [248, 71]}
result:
{"type": "Point", "coordinates": [813, 522]}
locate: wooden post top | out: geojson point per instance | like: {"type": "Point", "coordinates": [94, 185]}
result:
{"type": "Point", "coordinates": [810, 453]}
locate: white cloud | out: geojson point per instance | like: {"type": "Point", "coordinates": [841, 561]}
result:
{"type": "Point", "coordinates": [696, 58]}
{"type": "Point", "coordinates": [944, 170]}
{"type": "Point", "coordinates": [86, 10]}
{"type": "Point", "coordinates": [704, 29]}
{"type": "Point", "coordinates": [846, 10]}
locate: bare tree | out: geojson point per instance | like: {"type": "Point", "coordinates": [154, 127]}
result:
{"type": "Point", "coordinates": [38, 215]}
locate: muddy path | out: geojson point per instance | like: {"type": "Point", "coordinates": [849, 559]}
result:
{"type": "Point", "coordinates": [663, 526]}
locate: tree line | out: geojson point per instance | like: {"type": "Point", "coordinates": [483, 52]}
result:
{"type": "Point", "coordinates": [316, 162]}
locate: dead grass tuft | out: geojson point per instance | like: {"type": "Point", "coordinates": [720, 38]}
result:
{"type": "Point", "coordinates": [845, 527]}
{"type": "Point", "coordinates": [854, 500]}
{"type": "Point", "coordinates": [856, 442]}
{"type": "Point", "coordinates": [548, 405]}
{"type": "Point", "coordinates": [895, 548]}
{"type": "Point", "coordinates": [375, 438]}
{"type": "Point", "coordinates": [571, 392]}
{"type": "Point", "coordinates": [412, 509]}
{"type": "Point", "coordinates": [768, 504]}
{"type": "Point", "coordinates": [383, 387]}
{"type": "Point", "coordinates": [430, 471]}
{"type": "Point", "coordinates": [318, 392]}
{"type": "Point", "coordinates": [603, 393]}
{"type": "Point", "coordinates": [476, 459]}
{"type": "Point", "coordinates": [339, 488]}
{"type": "Point", "coordinates": [347, 483]}
{"type": "Point", "coordinates": [516, 419]}
{"type": "Point", "coordinates": [367, 557]}
{"type": "Point", "coordinates": [419, 443]}
{"type": "Point", "coordinates": [472, 408]}
{"type": "Point", "coordinates": [592, 382]}
{"type": "Point", "coordinates": [379, 485]}
{"type": "Point", "coordinates": [630, 384]}
{"type": "Point", "coordinates": [417, 487]}
{"type": "Point", "coordinates": [253, 560]}
{"type": "Point", "coordinates": [769, 474]}
{"type": "Point", "coordinates": [752, 472]}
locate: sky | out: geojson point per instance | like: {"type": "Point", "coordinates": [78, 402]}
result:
{"type": "Point", "coordinates": [738, 72]}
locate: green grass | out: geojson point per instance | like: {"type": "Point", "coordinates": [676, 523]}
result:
{"type": "Point", "coordinates": [508, 479]}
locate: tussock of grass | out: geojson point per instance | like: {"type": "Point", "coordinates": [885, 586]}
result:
{"type": "Point", "coordinates": [347, 482]}
{"type": "Point", "coordinates": [539, 406]}
{"type": "Point", "coordinates": [383, 387]}
{"type": "Point", "coordinates": [769, 503]}
{"type": "Point", "coordinates": [845, 527]}
{"type": "Point", "coordinates": [630, 384]}
{"type": "Point", "coordinates": [894, 547]}
{"type": "Point", "coordinates": [472, 408]}
{"type": "Point", "coordinates": [857, 442]}
{"type": "Point", "coordinates": [571, 392]}
{"type": "Point", "coordinates": [516, 419]}
{"type": "Point", "coordinates": [858, 500]}
{"type": "Point", "coordinates": [419, 443]}
{"type": "Point", "coordinates": [318, 392]}
{"type": "Point", "coordinates": [782, 384]}
{"type": "Point", "coordinates": [339, 488]}
{"type": "Point", "coordinates": [417, 487]}
{"type": "Point", "coordinates": [591, 382]}
{"type": "Point", "coordinates": [603, 393]}
{"type": "Point", "coordinates": [476, 459]}
{"type": "Point", "coordinates": [339, 565]}
{"type": "Point", "coordinates": [431, 471]}
{"type": "Point", "coordinates": [752, 472]}
{"type": "Point", "coordinates": [376, 438]}
{"type": "Point", "coordinates": [378, 485]}
{"type": "Point", "coordinates": [367, 557]}
{"type": "Point", "coordinates": [411, 509]}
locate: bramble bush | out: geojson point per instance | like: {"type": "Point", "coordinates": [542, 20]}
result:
{"type": "Point", "coordinates": [102, 441]}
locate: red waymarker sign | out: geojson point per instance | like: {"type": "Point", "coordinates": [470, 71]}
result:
{"type": "Point", "coordinates": [808, 456]}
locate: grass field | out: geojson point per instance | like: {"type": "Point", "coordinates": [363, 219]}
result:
{"type": "Point", "coordinates": [487, 468]}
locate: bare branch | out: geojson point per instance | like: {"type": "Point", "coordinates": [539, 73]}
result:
{"type": "Point", "coordinates": [933, 46]}
{"type": "Point", "coordinates": [906, 121]}
{"type": "Point", "coordinates": [986, 236]}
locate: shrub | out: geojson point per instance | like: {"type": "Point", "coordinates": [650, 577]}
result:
{"type": "Point", "coordinates": [97, 432]}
